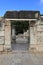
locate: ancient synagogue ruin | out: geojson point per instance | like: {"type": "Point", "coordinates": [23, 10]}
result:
{"type": "Point", "coordinates": [34, 33]}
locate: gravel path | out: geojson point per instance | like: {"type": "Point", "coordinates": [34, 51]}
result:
{"type": "Point", "coordinates": [21, 59]}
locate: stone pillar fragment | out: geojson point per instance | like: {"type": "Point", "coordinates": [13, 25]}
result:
{"type": "Point", "coordinates": [7, 45]}
{"type": "Point", "coordinates": [33, 39]}
{"type": "Point", "coordinates": [13, 32]}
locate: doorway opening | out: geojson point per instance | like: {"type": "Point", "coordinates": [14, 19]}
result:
{"type": "Point", "coordinates": [20, 35]}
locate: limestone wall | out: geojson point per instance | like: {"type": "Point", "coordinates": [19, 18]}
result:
{"type": "Point", "coordinates": [7, 45]}
{"type": "Point", "coordinates": [2, 34]}
{"type": "Point", "coordinates": [40, 36]}
{"type": "Point", "coordinates": [5, 34]}
{"type": "Point", "coordinates": [36, 35]}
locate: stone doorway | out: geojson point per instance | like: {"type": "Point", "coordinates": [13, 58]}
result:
{"type": "Point", "coordinates": [20, 35]}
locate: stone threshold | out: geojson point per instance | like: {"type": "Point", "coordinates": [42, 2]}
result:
{"type": "Point", "coordinates": [15, 52]}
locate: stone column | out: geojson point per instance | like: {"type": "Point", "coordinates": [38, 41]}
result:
{"type": "Point", "coordinates": [7, 45]}
{"type": "Point", "coordinates": [13, 32]}
{"type": "Point", "coordinates": [32, 37]}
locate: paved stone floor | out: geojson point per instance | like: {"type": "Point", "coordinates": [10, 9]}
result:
{"type": "Point", "coordinates": [21, 59]}
{"type": "Point", "coordinates": [20, 47]}
{"type": "Point", "coordinates": [21, 44]}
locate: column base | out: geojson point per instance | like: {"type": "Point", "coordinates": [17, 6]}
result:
{"type": "Point", "coordinates": [7, 47]}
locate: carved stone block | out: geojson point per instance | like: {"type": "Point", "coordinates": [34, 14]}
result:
{"type": "Point", "coordinates": [2, 33]}
{"type": "Point", "coordinates": [1, 47]}
{"type": "Point", "coordinates": [1, 40]}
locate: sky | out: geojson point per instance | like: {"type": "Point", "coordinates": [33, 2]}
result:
{"type": "Point", "coordinates": [6, 5]}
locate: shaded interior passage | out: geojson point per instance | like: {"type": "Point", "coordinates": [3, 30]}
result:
{"type": "Point", "coordinates": [20, 35]}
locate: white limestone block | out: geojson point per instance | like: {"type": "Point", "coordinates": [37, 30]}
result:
{"type": "Point", "coordinates": [1, 47]}
{"type": "Point", "coordinates": [32, 36]}
{"type": "Point", "coordinates": [40, 47]}
{"type": "Point", "coordinates": [7, 35]}
{"type": "Point", "coordinates": [7, 47]}
{"type": "Point", "coordinates": [22, 40]}
{"type": "Point", "coordinates": [2, 33]}
{"type": "Point", "coordinates": [40, 28]}
{"type": "Point", "coordinates": [40, 34]}
{"type": "Point", "coordinates": [1, 40]}
{"type": "Point", "coordinates": [40, 41]}
{"type": "Point", "coordinates": [2, 27]}
{"type": "Point", "coordinates": [33, 47]}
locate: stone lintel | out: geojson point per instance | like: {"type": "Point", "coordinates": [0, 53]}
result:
{"type": "Point", "coordinates": [22, 19]}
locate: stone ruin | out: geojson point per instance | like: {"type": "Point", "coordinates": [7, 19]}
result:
{"type": "Point", "coordinates": [35, 20]}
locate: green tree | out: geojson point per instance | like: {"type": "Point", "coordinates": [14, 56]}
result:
{"type": "Point", "coordinates": [20, 26]}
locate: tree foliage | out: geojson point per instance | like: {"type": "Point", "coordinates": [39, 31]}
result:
{"type": "Point", "coordinates": [20, 26]}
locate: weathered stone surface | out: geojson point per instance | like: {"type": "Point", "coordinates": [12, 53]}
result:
{"type": "Point", "coordinates": [32, 35]}
{"type": "Point", "coordinates": [7, 34]}
{"type": "Point", "coordinates": [7, 47]}
{"type": "Point", "coordinates": [2, 26]}
{"type": "Point", "coordinates": [1, 47]}
{"type": "Point", "coordinates": [33, 47]}
{"type": "Point", "coordinates": [40, 40]}
{"type": "Point", "coordinates": [2, 33]}
{"type": "Point", "coordinates": [40, 47]}
{"type": "Point", "coordinates": [40, 34]}
{"type": "Point", "coordinates": [21, 59]}
{"type": "Point", "coordinates": [7, 23]}
{"type": "Point", "coordinates": [40, 28]}
{"type": "Point", "coordinates": [1, 40]}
